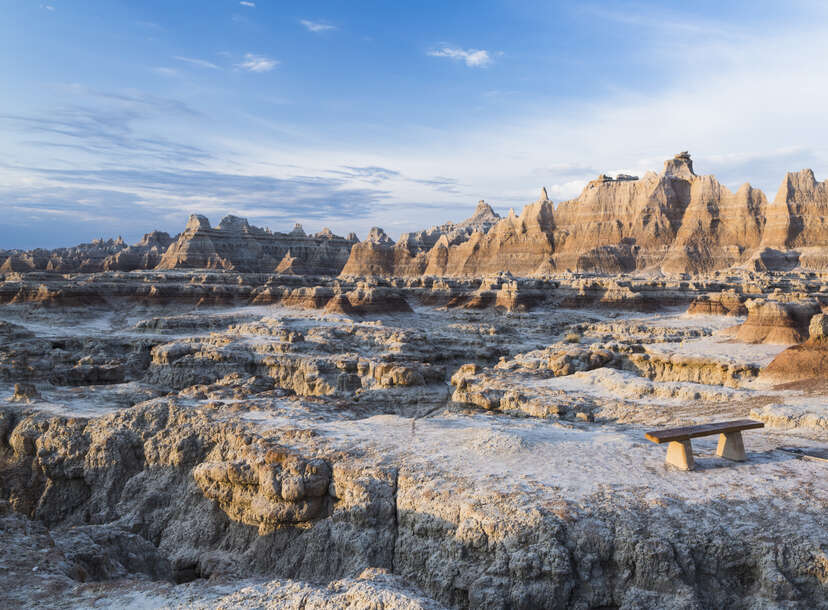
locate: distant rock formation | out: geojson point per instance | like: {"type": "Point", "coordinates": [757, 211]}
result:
{"type": "Point", "coordinates": [146, 254]}
{"type": "Point", "coordinates": [233, 245]}
{"type": "Point", "coordinates": [236, 245]}
{"type": "Point", "coordinates": [513, 244]}
{"type": "Point", "coordinates": [84, 258]}
{"type": "Point", "coordinates": [411, 255]}
{"type": "Point", "coordinates": [673, 222]}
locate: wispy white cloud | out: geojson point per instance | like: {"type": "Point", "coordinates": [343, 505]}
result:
{"type": "Point", "coordinates": [257, 63]}
{"type": "Point", "coordinates": [48, 7]}
{"type": "Point", "coordinates": [201, 63]}
{"type": "Point", "coordinates": [246, 3]}
{"type": "Point", "coordinates": [164, 71]}
{"type": "Point", "coordinates": [316, 26]}
{"type": "Point", "coordinates": [474, 58]}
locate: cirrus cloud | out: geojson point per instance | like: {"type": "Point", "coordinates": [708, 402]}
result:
{"type": "Point", "coordinates": [257, 63]}
{"type": "Point", "coordinates": [201, 63]}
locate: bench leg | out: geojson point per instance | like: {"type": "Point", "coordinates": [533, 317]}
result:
{"type": "Point", "coordinates": [680, 455]}
{"type": "Point", "coordinates": [731, 447]}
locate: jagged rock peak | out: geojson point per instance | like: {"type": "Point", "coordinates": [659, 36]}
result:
{"type": "Point", "coordinates": [543, 195]}
{"type": "Point", "coordinates": [234, 224]}
{"type": "Point", "coordinates": [156, 238]}
{"type": "Point", "coordinates": [483, 213]}
{"type": "Point", "coordinates": [378, 236]}
{"type": "Point", "coordinates": [803, 180]}
{"type": "Point", "coordinates": [298, 230]}
{"type": "Point", "coordinates": [197, 222]}
{"type": "Point", "coordinates": [680, 166]}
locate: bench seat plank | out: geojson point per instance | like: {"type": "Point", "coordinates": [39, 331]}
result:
{"type": "Point", "coordinates": [688, 432]}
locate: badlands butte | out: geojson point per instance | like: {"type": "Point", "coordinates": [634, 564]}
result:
{"type": "Point", "coordinates": [234, 417]}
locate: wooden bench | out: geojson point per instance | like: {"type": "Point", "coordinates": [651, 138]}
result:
{"type": "Point", "coordinates": [680, 452]}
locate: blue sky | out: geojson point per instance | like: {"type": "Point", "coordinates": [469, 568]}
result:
{"type": "Point", "coordinates": [121, 117]}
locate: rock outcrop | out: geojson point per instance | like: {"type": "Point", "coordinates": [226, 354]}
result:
{"type": "Point", "coordinates": [808, 361]}
{"type": "Point", "coordinates": [777, 321]}
{"type": "Point", "coordinates": [726, 303]}
{"type": "Point", "coordinates": [673, 222]}
{"type": "Point", "coordinates": [236, 245]}
{"type": "Point", "coordinates": [146, 254]}
{"type": "Point", "coordinates": [412, 254]}
{"type": "Point", "coordinates": [233, 245]}
{"type": "Point", "coordinates": [798, 216]}
{"type": "Point", "coordinates": [485, 450]}
{"type": "Point", "coordinates": [84, 258]}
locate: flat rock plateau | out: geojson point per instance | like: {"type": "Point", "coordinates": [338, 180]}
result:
{"type": "Point", "coordinates": [237, 418]}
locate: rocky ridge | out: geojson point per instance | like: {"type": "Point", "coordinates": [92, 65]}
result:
{"type": "Point", "coordinates": [234, 245]}
{"type": "Point", "coordinates": [673, 222]}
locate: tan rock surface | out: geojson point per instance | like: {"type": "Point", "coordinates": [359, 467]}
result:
{"type": "Point", "coordinates": [806, 361]}
{"type": "Point", "coordinates": [782, 322]}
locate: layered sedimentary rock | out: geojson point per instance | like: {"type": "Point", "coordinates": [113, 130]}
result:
{"type": "Point", "coordinates": [517, 244]}
{"type": "Point", "coordinates": [673, 222]}
{"type": "Point", "coordinates": [808, 361]}
{"type": "Point", "coordinates": [84, 258]}
{"type": "Point", "coordinates": [798, 216]}
{"type": "Point", "coordinates": [727, 303]}
{"type": "Point", "coordinates": [777, 321]}
{"type": "Point", "coordinates": [412, 254]}
{"type": "Point", "coordinates": [145, 254]}
{"type": "Point", "coordinates": [233, 245]}
{"type": "Point", "coordinates": [236, 245]}
{"type": "Point", "coordinates": [449, 456]}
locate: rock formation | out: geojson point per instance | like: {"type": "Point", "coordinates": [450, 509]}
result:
{"type": "Point", "coordinates": [672, 222]}
{"type": "Point", "coordinates": [84, 258]}
{"type": "Point", "coordinates": [777, 321]}
{"type": "Point", "coordinates": [146, 254]}
{"type": "Point", "coordinates": [232, 245]}
{"type": "Point", "coordinates": [412, 254]}
{"type": "Point", "coordinates": [808, 361]}
{"type": "Point", "coordinates": [726, 303]}
{"type": "Point", "coordinates": [236, 245]}
{"type": "Point", "coordinates": [413, 443]}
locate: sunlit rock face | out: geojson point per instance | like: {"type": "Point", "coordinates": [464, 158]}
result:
{"type": "Point", "coordinates": [672, 222]}
{"type": "Point", "coordinates": [798, 216]}
{"type": "Point", "coordinates": [808, 361]}
{"type": "Point", "coordinates": [416, 253]}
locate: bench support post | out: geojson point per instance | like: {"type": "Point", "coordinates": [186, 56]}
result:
{"type": "Point", "coordinates": [731, 447]}
{"type": "Point", "coordinates": [680, 455]}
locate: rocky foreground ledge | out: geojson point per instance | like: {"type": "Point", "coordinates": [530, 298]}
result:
{"type": "Point", "coordinates": [216, 439]}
